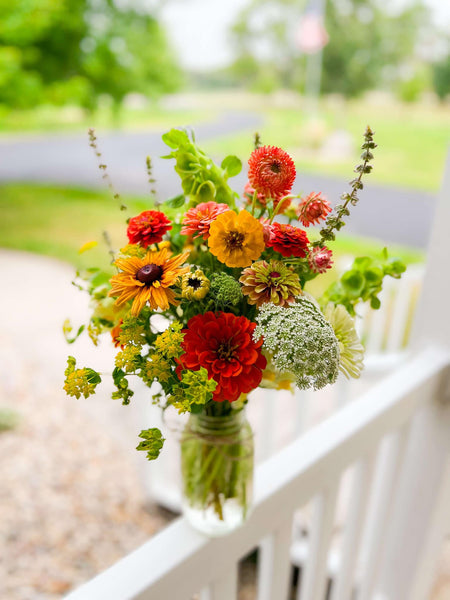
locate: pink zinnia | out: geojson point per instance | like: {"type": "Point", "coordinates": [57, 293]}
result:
{"type": "Point", "coordinates": [313, 209]}
{"type": "Point", "coordinates": [197, 220]}
{"type": "Point", "coordinates": [320, 259]}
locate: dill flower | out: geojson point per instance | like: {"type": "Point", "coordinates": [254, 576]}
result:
{"type": "Point", "coordinates": [131, 331]}
{"type": "Point", "coordinates": [169, 341]}
{"type": "Point", "coordinates": [194, 286]}
{"type": "Point", "coordinates": [157, 367]}
{"type": "Point", "coordinates": [236, 239]}
{"type": "Point", "coordinates": [273, 379]}
{"type": "Point", "coordinates": [197, 220]}
{"type": "Point", "coordinates": [80, 381]}
{"type": "Point", "coordinates": [351, 349]}
{"type": "Point", "coordinates": [133, 250]}
{"type": "Point", "coordinates": [271, 171]}
{"type": "Point", "coordinates": [320, 259]}
{"type": "Point", "coordinates": [148, 228]}
{"type": "Point", "coordinates": [225, 289]}
{"type": "Point", "coordinates": [128, 359]}
{"type": "Point", "coordinates": [148, 280]}
{"type": "Point", "coordinates": [288, 240]}
{"type": "Point", "coordinates": [312, 209]}
{"type": "Point", "coordinates": [194, 388]}
{"type": "Point", "coordinates": [301, 341]}
{"type": "Point", "coordinates": [270, 281]}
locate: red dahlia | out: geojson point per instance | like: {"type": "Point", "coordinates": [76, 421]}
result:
{"type": "Point", "coordinates": [223, 344]}
{"type": "Point", "coordinates": [288, 240]}
{"type": "Point", "coordinates": [313, 209]}
{"type": "Point", "coordinates": [197, 220]}
{"type": "Point", "coordinates": [271, 171]}
{"type": "Point", "coordinates": [148, 228]}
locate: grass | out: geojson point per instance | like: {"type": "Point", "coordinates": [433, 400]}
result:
{"type": "Point", "coordinates": [57, 221]}
{"type": "Point", "coordinates": [412, 140]}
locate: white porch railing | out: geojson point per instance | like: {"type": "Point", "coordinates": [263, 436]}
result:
{"type": "Point", "coordinates": [397, 425]}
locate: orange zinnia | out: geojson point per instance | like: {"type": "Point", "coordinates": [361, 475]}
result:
{"type": "Point", "coordinates": [236, 240]}
{"type": "Point", "coordinates": [148, 279]}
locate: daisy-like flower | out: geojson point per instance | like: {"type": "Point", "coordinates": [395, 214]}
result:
{"type": "Point", "coordinates": [271, 171]}
{"type": "Point", "coordinates": [288, 240]}
{"type": "Point", "coordinates": [148, 228]}
{"type": "Point", "coordinates": [148, 279]}
{"type": "Point", "coordinates": [351, 350]}
{"type": "Point", "coordinates": [270, 282]}
{"type": "Point", "coordinates": [312, 209]}
{"type": "Point", "coordinates": [194, 286]}
{"type": "Point", "coordinates": [197, 220]}
{"type": "Point", "coordinates": [236, 239]}
{"type": "Point", "coordinates": [320, 259]}
{"type": "Point", "coordinates": [222, 344]}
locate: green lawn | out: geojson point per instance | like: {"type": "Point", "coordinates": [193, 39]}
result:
{"type": "Point", "coordinates": [56, 221]}
{"type": "Point", "coordinates": [412, 140]}
{"type": "Point", "coordinates": [45, 119]}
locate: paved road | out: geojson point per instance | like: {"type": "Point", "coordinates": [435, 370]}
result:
{"type": "Point", "coordinates": [386, 213]}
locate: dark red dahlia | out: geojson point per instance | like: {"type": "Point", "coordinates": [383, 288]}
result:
{"type": "Point", "coordinates": [288, 240]}
{"type": "Point", "coordinates": [271, 171]}
{"type": "Point", "coordinates": [222, 343]}
{"type": "Point", "coordinates": [313, 209]}
{"type": "Point", "coordinates": [148, 228]}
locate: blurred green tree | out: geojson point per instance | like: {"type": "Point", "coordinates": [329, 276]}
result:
{"type": "Point", "coordinates": [441, 77]}
{"type": "Point", "coordinates": [368, 44]}
{"type": "Point", "coordinates": [73, 51]}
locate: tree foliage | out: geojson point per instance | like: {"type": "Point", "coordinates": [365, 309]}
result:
{"type": "Point", "coordinates": [75, 50]}
{"type": "Point", "coordinates": [368, 45]}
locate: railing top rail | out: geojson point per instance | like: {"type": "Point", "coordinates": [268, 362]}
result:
{"type": "Point", "coordinates": [289, 479]}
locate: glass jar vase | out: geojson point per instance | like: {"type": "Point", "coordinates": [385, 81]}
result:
{"type": "Point", "coordinates": [217, 471]}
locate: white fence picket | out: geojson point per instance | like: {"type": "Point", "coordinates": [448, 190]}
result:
{"type": "Point", "coordinates": [361, 485]}
{"type": "Point", "coordinates": [313, 581]}
{"type": "Point", "coordinates": [390, 462]}
{"type": "Point", "coordinates": [273, 563]}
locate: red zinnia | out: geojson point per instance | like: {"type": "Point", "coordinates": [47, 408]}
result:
{"type": "Point", "coordinates": [313, 209]}
{"type": "Point", "coordinates": [271, 171]}
{"type": "Point", "coordinates": [320, 259]}
{"type": "Point", "coordinates": [148, 228]}
{"type": "Point", "coordinates": [288, 240]}
{"type": "Point", "coordinates": [223, 344]}
{"type": "Point", "coordinates": [198, 219]}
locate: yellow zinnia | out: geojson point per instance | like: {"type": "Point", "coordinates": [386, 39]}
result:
{"type": "Point", "coordinates": [236, 240]}
{"type": "Point", "coordinates": [148, 279]}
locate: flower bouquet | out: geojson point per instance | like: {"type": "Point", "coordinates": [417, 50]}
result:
{"type": "Point", "coordinates": [227, 275]}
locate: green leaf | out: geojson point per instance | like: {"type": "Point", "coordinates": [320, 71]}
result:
{"type": "Point", "coordinates": [206, 192]}
{"type": "Point", "coordinates": [93, 376]}
{"type": "Point", "coordinates": [71, 340]}
{"type": "Point", "coordinates": [353, 282]}
{"type": "Point", "coordinates": [176, 201]}
{"type": "Point", "coordinates": [152, 444]}
{"type": "Point", "coordinates": [175, 138]}
{"type": "Point", "coordinates": [375, 302]}
{"type": "Point", "coordinates": [232, 165]}
{"type": "Point", "coordinates": [374, 275]}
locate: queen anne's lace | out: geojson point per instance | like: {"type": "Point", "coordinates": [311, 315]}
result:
{"type": "Point", "coordinates": [301, 341]}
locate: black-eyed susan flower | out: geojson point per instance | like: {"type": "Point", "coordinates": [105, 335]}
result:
{"type": "Point", "coordinates": [148, 279]}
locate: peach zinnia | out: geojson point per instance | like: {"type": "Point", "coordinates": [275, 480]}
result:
{"type": "Point", "coordinates": [271, 171]}
{"type": "Point", "coordinates": [236, 240]}
{"type": "Point", "coordinates": [148, 279]}
{"type": "Point", "coordinates": [197, 220]}
{"type": "Point", "coordinates": [313, 209]}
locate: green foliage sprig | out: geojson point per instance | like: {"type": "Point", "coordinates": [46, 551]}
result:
{"type": "Point", "coordinates": [335, 220]}
{"type": "Point", "coordinates": [153, 442]}
{"type": "Point", "coordinates": [201, 179]}
{"type": "Point", "coordinates": [363, 281]}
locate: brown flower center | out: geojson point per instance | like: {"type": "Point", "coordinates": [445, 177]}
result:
{"type": "Point", "coordinates": [274, 274]}
{"type": "Point", "coordinates": [275, 167]}
{"type": "Point", "coordinates": [225, 352]}
{"type": "Point", "coordinates": [235, 240]}
{"type": "Point", "coordinates": [149, 273]}
{"type": "Point", "coordinates": [194, 283]}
